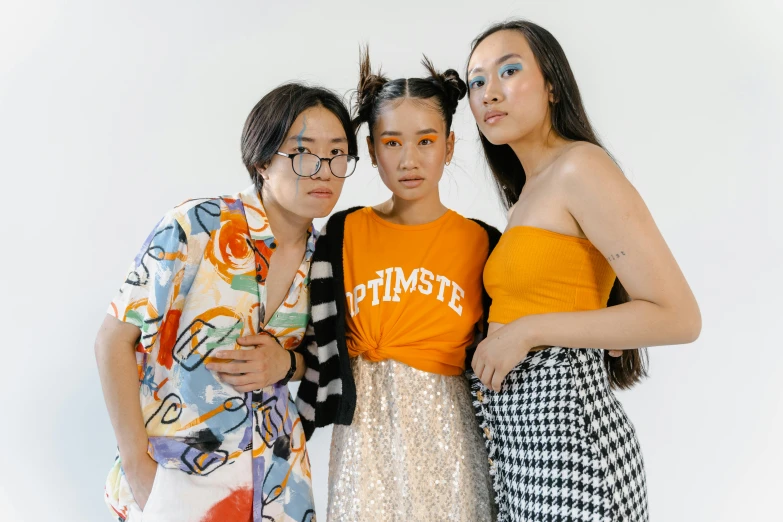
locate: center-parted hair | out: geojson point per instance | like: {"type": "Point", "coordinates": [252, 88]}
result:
{"type": "Point", "coordinates": [569, 120]}
{"type": "Point", "coordinates": [375, 91]}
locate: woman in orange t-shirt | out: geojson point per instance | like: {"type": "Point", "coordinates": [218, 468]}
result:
{"type": "Point", "coordinates": [398, 299]}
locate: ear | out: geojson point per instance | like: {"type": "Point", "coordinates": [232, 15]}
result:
{"type": "Point", "coordinates": [371, 150]}
{"type": "Point", "coordinates": [450, 146]}
{"type": "Point", "coordinates": [262, 171]}
{"type": "Point", "coordinates": [551, 94]}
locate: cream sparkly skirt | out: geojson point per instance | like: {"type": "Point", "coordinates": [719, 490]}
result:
{"type": "Point", "coordinates": [413, 452]}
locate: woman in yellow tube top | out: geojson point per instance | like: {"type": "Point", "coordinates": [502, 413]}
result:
{"type": "Point", "coordinates": [560, 445]}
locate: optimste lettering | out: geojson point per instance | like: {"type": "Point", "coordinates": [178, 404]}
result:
{"type": "Point", "coordinates": [420, 280]}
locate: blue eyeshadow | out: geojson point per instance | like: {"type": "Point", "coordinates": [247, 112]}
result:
{"type": "Point", "coordinates": [476, 79]}
{"type": "Point", "coordinates": [510, 67]}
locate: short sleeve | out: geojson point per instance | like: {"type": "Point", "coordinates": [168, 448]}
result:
{"type": "Point", "coordinates": [155, 277]}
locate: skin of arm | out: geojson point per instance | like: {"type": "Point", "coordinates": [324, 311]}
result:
{"type": "Point", "coordinates": [115, 348]}
{"type": "Point", "coordinates": [613, 216]}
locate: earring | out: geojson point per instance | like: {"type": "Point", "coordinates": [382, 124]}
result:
{"type": "Point", "coordinates": [374, 165]}
{"type": "Point", "coordinates": [448, 163]}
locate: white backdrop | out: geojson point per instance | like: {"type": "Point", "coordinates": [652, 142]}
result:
{"type": "Point", "coordinates": [112, 112]}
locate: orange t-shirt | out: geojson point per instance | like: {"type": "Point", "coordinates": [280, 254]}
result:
{"type": "Point", "coordinates": [413, 292]}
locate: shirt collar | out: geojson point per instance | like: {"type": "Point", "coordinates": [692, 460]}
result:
{"type": "Point", "coordinates": [258, 224]}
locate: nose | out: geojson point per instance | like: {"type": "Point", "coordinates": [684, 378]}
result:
{"type": "Point", "coordinates": [408, 159]}
{"type": "Point", "coordinates": [492, 92]}
{"type": "Point", "coordinates": [325, 172]}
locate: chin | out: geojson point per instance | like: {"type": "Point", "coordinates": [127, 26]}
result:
{"type": "Point", "coordinates": [412, 195]}
{"type": "Point", "coordinates": [316, 209]}
{"type": "Point", "coordinates": [499, 136]}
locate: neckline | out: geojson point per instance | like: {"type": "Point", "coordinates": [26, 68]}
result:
{"type": "Point", "coordinates": [374, 215]}
{"type": "Point", "coordinates": [550, 233]}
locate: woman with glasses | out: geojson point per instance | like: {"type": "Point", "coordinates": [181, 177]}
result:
{"type": "Point", "coordinates": [397, 301]}
{"type": "Point", "coordinates": [199, 343]}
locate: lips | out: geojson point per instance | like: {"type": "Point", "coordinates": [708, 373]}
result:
{"type": "Point", "coordinates": [321, 193]}
{"type": "Point", "coordinates": [494, 116]}
{"type": "Point", "coordinates": [411, 181]}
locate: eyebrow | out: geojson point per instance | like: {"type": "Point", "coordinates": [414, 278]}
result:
{"type": "Point", "coordinates": [497, 62]}
{"type": "Point", "coordinates": [298, 138]}
{"type": "Point", "coordinates": [421, 132]}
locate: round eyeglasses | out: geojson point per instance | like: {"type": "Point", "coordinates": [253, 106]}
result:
{"type": "Point", "coordinates": [307, 165]}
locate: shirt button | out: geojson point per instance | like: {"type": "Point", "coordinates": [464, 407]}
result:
{"type": "Point", "coordinates": [480, 396]}
{"type": "Point", "coordinates": [488, 433]}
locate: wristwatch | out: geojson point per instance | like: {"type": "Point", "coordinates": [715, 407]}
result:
{"type": "Point", "coordinates": [291, 370]}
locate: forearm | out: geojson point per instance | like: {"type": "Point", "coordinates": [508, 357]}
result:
{"type": "Point", "coordinates": [120, 383]}
{"type": "Point", "coordinates": [636, 324]}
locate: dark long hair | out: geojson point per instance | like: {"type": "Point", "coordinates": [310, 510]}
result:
{"type": "Point", "coordinates": [375, 90]}
{"type": "Point", "coordinates": [270, 121]}
{"type": "Point", "coordinates": [569, 120]}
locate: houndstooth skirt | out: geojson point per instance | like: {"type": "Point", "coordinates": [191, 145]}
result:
{"type": "Point", "coordinates": [560, 445]}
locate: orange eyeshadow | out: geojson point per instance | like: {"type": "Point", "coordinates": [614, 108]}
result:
{"type": "Point", "coordinates": [432, 137]}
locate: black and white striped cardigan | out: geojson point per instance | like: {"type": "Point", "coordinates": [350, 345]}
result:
{"type": "Point", "coordinates": [327, 393]}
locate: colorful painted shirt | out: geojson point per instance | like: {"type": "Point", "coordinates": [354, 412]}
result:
{"type": "Point", "coordinates": [197, 285]}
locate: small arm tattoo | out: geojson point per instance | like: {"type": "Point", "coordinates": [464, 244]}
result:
{"type": "Point", "coordinates": [616, 256]}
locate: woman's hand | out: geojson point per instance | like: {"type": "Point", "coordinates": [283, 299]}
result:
{"type": "Point", "coordinates": [266, 364]}
{"type": "Point", "coordinates": [504, 348]}
{"type": "Point", "coordinates": [140, 473]}
{"type": "Point", "coordinates": [496, 356]}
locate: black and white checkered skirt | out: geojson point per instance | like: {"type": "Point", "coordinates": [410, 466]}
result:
{"type": "Point", "coordinates": [560, 445]}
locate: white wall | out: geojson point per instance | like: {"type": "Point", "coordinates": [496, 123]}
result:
{"type": "Point", "coordinates": [112, 112]}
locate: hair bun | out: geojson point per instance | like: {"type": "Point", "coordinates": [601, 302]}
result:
{"type": "Point", "coordinates": [455, 87]}
{"type": "Point", "coordinates": [451, 79]}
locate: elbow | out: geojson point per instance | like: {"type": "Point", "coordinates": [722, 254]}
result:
{"type": "Point", "coordinates": [691, 325]}
{"type": "Point", "coordinates": [693, 331]}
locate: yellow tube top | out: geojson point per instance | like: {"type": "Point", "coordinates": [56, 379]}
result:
{"type": "Point", "coordinates": [536, 271]}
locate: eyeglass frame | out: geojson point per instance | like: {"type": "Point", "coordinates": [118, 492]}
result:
{"type": "Point", "coordinates": [320, 163]}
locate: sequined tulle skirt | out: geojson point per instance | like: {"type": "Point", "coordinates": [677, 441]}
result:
{"type": "Point", "coordinates": [413, 452]}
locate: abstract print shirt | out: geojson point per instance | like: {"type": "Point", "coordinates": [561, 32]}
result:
{"type": "Point", "coordinates": [197, 285]}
